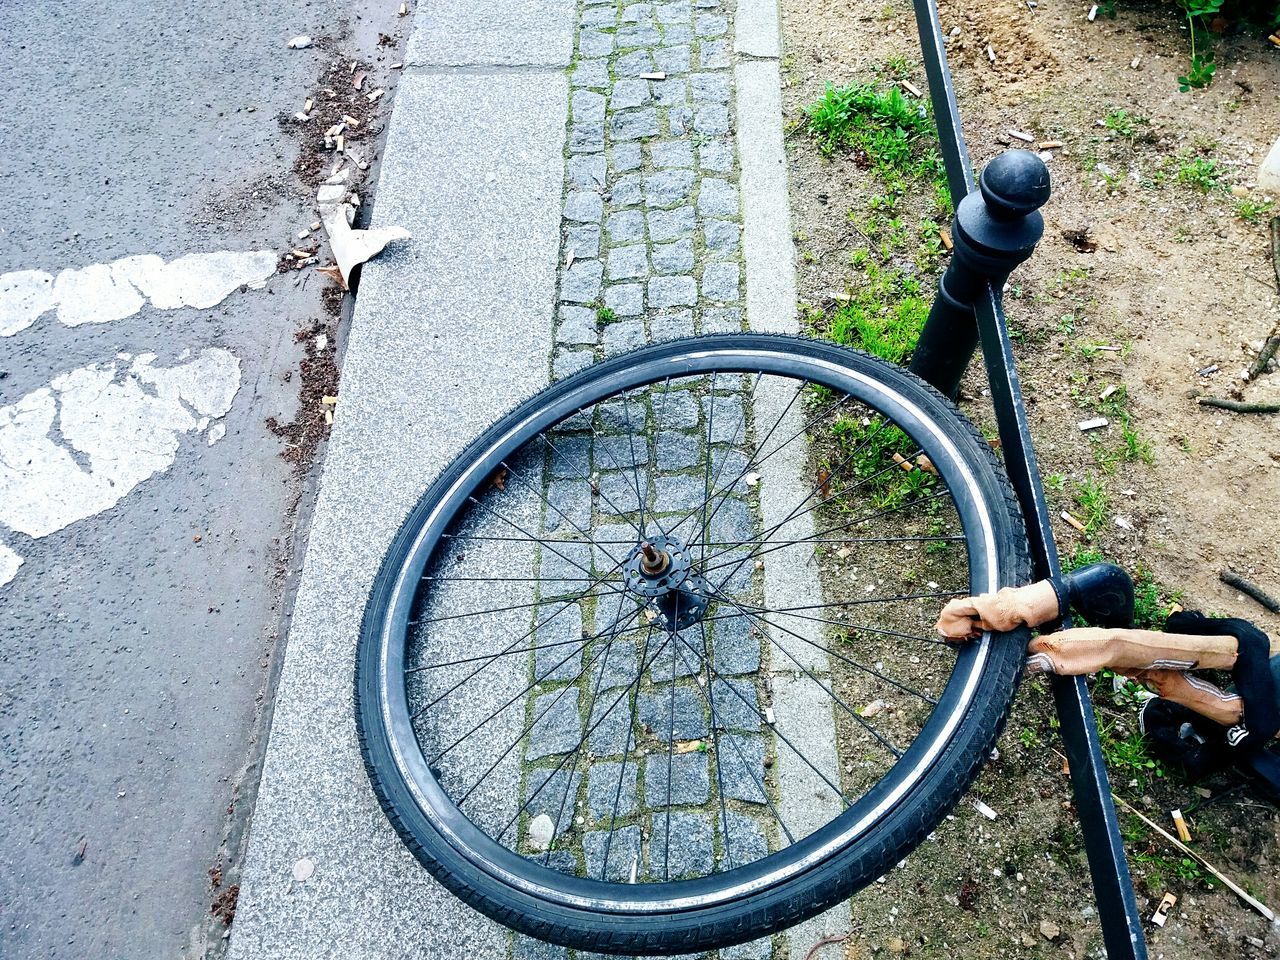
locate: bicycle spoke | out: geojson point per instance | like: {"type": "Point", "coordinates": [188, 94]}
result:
{"type": "Point", "coordinates": [809, 673]}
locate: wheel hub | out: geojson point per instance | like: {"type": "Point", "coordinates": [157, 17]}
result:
{"type": "Point", "coordinates": [660, 570]}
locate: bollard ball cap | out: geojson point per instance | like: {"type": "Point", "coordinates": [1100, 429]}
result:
{"type": "Point", "coordinates": [1014, 184]}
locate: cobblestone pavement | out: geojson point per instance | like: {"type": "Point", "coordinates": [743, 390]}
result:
{"type": "Point", "coordinates": [652, 223]}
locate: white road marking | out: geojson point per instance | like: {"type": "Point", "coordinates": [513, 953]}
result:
{"type": "Point", "coordinates": [121, 422]}
{"type": "Point", "coordinates": [9, 564]}
{"type": "Point", "coordinates": [104, 292]}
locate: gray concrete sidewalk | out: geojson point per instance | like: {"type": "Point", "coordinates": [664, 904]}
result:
{"type": "Point", "coordinates": [523, 133]}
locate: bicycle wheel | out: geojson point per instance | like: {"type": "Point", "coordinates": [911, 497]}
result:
{"type": "Point", "coordinates": [650, 667]}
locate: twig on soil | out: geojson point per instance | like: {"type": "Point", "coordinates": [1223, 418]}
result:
{"type": "Point", "coordinates": [824, 942]}
{"type": "Point", "coordinates": [1262, 908]}
{"type": "Point", "coordinates": [1275, 248]}
{"type": "Point", "coordinates": [1250, 589]}
{"type": "Point", "coordinates": [1268, 351]}
{"type": "Point", "coordinates": [1238, 406]}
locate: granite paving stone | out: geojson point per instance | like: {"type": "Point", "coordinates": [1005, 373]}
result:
{"type": "Point", "coordinates": [670, 224]}
{"type": "Point", "coordinates": [675, 257]}
{"type": "Point", "coordinates": [690, 780]}
{"type": "Point", "coordinates": [611, 790]}
{"type": "Point", "coordinates": [628, 262]}
{"type": "Point", "coordinates": [556, 726]}
{"type": "Point", "coordinates": [672, 292]}
{"type": "Point", "coordinates": [688, 853]}
{"type": "Point", "coordinates": [654, 710]}
{"type": "Point", "coordinates": [625, 300]}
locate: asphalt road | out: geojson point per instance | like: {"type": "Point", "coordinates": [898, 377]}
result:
{"type": "Point", "coordinates": [136, 636]}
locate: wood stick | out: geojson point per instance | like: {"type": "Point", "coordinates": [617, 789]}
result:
{"type": "Point", "coordinates": [1238, 406]}
{"type": "Point", "coordinates": [1262, 908]}
{"type": "Point", "coordinates": [1264, 357]}
{"type": "Point", "coordinates": [1251, 589]}
{"type": "Point", "coordinates": [1275, 248]}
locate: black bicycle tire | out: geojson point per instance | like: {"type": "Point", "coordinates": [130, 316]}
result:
{"type": "Point", "coordinates": [770, 910]}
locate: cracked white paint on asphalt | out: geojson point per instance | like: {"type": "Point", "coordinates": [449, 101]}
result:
{"type": "Point", "coordinates": [117, 424]}
{"type": "Point", "coordinates": [103, 292]}
{"type": "Point", "coordinates": [9, 564]}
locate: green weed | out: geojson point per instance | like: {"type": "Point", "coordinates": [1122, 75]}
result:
{"type": "Point", "coordinates": [1092, 501]}
{"type": "Point", "coordinates": [884, 314]}
{"type": "Point", "coordinates": [1200, 173]}
{"type": "Point", "coordinates": [1252, 211]}
{"type": "Point", "coordinates": [605, 316]}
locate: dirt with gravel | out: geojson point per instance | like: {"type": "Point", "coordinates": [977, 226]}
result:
{"type": "Point", "coordinates": [1150, 279]}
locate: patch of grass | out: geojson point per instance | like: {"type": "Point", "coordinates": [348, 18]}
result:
{"type": "Point", "coordinates": [872, 469]}
{"type": "Point", "coordinates": [605, 316]}
{"type": "Point", "coordinates": [884, 314]}
{"type": "Point", "coordinates": [1091, 498]}
{"type": "Point", "coordinates": [1252, 211]}
{"type": "Point", "coordinates": [1127, 758]}
{"type": "Point", "coordinates": [1201, 173]}
{"type": "Point", "coordinates": [893, 133]}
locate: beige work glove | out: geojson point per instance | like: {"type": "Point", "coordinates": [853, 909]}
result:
{"type": "Point", "coordinates": [1012, 607]}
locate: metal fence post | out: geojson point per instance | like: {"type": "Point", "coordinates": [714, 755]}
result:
{"type": "Point", "coordinates": [996, 227]}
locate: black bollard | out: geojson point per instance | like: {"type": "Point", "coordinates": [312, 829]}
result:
{"type": "Point", "coordinates": [996, 227]}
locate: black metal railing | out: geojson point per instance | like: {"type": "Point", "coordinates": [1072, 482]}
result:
{"type": "Point", "coordinates": [996, 228]}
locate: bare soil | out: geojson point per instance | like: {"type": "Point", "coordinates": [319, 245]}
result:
{"type": "Point", "coordinates": [1175, 282]}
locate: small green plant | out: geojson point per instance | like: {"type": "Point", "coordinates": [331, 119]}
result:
{"type": "Point", "coordinates": [1028, 738]}
{"type": "Point", "coordinates": [1200, 72]}
{"type": "Point", "coordinates": [1121, 123]}
{"type": "Point", "coordinates": [605, 316]}
{"type": "Point", "coordinates": [1092, 500]}
{"type": "Point", "coordinates": [1252, 211]}
{"type": "Point", "coordinates": [1128, 760]}
{"type": "Point", "coordinates": [1055, 481]}
{"type": "Point", "coordinates": [1200, 173]}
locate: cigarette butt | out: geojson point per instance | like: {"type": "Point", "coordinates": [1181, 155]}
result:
{"type": "Point", "coordinates": [653, 76]}
{"type": "Point", "coordinates": [1167, 903]}
{"type": "Point", "coordinates": [375, 95]}
{"type": "Point", "coordinates": [1073, 522]}
{"type": "Point", "coordinates": [1051, 145]}
{"type": "Point", "coordinates": [945, 234]}
{"type": "Point", "coordinates": [1275, 38]}
{"type": "Point", "coordinates": [351, 122]}
{"type": "Point", "coordinates": [328, 416]}
{"type": "Point", "coordinates": [315, 225]}
{"type": "Point", "coordinates": [1093, 424]}
{"type": "Point", "coordinates": [768, 716]}
{"type": "Point", "coordinates": [301, 116]}
{"type": "Point", "coordinates": [903, 462]}
{"type": "Point", "coordinates": [340, 143]}
{"type": "Point", "coordinates": [1019, 135]}
{"type": "Point", "coordinates": [329, 401]}
{"type": "Point", "coordinates": [1184, 834]}
{"type": "Point", "coordinates": [1093, 13]}
{"type": "Point", "coordinates": [911, 88]}
{"type": "Point", "coordinates": [1066, 767]}
{"type": "Point", "coordinates": [983, 809]}
{"type": "Point", "coordinates": [306, 107]}
{"type": "Point", "coordinates": [1108, 392]}
{"type": "Point", "coordinates": [404, 8]}
{"type": "Point", "coordinates": [1135, 63]}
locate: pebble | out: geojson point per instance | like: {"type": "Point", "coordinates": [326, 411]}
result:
{"type": "Point", "coordinates": [541, 830]}
{"type": "Point", "coordinates": [1050, 930]}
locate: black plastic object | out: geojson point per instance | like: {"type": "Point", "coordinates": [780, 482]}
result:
{"type": "Point", "coordinates": [1101, 593]}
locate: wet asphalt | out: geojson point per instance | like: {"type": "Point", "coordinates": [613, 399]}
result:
{"type": "Point", "coordinates": [136, 646]}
